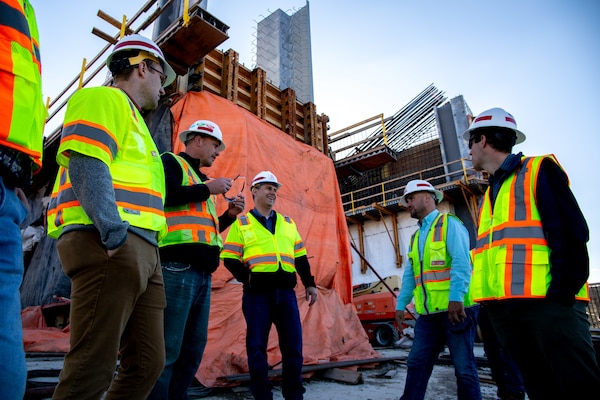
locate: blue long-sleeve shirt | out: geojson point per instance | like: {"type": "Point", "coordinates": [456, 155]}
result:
{"type": "Point", "coordinates": [457, 246]}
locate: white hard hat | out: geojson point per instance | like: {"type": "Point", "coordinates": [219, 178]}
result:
{"type": "Point", "coordinates": [495, 117]}
{"type": "Point", "coordinates": [139, 42]}
{"type": "Point", "coordinates": [206, 128]}
{"type": "Point", "coordinates": [419, 185]}
{"type": "Point", "coordinates": [265, 177]}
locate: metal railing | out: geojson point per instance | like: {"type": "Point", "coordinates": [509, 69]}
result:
{"type": "Point", "coordinates": [58, 104]}
{"type": "Point", "coordinates": [389, 190]}
{"type": "Point", "coordinates": [593, 308]}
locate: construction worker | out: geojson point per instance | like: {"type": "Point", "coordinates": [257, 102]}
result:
{"type": "Point", "coordinates": [264, 251]}
{"type": "Point", "coordinates": [190, 254]}
{"type": "Point", "coordinates": [22, 118]}
{"type": "Point", "coordinates": [106, 210]}
{"type": "Point", "coordinates": [531, 262]}
{"type": "Point", "coordinates": [438, 277]}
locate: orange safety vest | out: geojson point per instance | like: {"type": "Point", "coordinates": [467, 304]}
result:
{"type": "Point", "coordinates": [23, 113]}
{"type": "Point", "coordinates": [511, 258]}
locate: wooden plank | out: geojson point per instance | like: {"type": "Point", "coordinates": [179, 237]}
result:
{"type": "Point", "coordinates": [317, 367]}
{"type": "Point", "coordinates": [344, 375]}
{"type": "Point", "coordinates": [185, 46]}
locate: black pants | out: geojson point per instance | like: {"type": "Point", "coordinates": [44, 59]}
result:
{"type": "Point", "coordinates": [551, 343]}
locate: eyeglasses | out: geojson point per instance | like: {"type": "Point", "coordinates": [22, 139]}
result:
{"type": "Point", "coordinates": [474, 139]}
{"type": "Point", "coordinates": [163, 76]}
{"type": "Point", "coordinates": [231, 199]}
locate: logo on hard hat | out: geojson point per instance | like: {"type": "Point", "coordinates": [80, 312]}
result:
{"type": "Point", "coordinates": [495, 117]}
{"type": "Point", "coordinates": [201, 126]}
{"type": "Point", "coordinates": [419, 185]}
{"type": "Point", "coordinates": [265, 177]}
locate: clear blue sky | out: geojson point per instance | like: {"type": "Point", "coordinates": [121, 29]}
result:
{"type": "Point", "coordinates": [538, 59]}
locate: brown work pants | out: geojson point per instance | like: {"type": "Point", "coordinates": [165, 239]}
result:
{"type": "Point", "coordinates": [117, 307]}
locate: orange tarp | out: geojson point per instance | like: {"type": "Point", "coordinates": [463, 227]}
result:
{"type": "Point", "coordinates": [309, 192]}
{"type": "Point", "coordinates": [310, 195]}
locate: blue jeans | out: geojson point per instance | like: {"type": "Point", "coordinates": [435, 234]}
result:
{"type": "Point", "coordinates": [432, 332]}
{"type": "Point", "coordinates": [13, 370]}
{"type": "Point", "coordinates": [186, 328]}
{"type": "Point", "coordinates": [261, 310]}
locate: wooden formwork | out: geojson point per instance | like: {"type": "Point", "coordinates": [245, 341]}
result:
{"type": "Point", "coordinates": [222, 74]}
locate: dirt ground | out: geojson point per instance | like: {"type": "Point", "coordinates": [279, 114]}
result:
{"type": "Point", "coordinates": [384, 382]}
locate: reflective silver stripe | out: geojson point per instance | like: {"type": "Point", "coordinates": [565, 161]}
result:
{"type": "Point", "coordinates": [244, 220]}
{"type": "Point", "coordinates": [65, 196]}
{"type": "Point", "coordinates": [189, 220]}
{"type": "Point", "coordinates": [63, 177]}
{"type": "Point", "coordinates": [234, 248]}
{"type": "Point", "coordinates": [520, 209]}
{"type": "Point", "coordinates": [437, 233]}
{"type": "Point", "coordinates": [141, 199]}
{"type": "Point", "coordinates": [436, 276]}
{"type": "Point", "coordinates": [287, 259]}
{"type": "Point", "coordinates": [517, 284]}
{"type": "Point", "coordinates": [92, 133]}
{"type": "Point", "coordinates": [15, 19]}
{"type": "Point", "coordinates": [526, 233]}
{"type": "Point", "coordinates": [299, 246]}
{"type": "Point", "coordinates": [254, 261]}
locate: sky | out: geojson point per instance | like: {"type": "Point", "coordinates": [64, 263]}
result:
{"type": "Point", "coordinates": [537, 59]}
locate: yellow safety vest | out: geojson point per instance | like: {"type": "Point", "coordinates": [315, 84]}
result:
{"type": "Point", "coordinates": [195, 222]}
{"type": "Point", "coordinates": [251, 243]}
{"type": "Point", "coordinates": [432, 275]}
{"type": "Point", "coordinates": [102, 122]}
{"type": "Point", "coordinates": [511, 258]}
{"type": "Point", "coordinates": [23, 113]}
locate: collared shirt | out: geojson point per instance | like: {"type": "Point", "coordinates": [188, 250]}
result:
{"type": "Point", "coordinates": [457, 245]}
{"type": "Point", "coordinates": [268, 222]}
{"type": "Point", "coordinates": [508, 166]}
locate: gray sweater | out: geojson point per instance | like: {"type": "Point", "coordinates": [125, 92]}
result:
{"type": "Point", "coordinates": [93, 187]}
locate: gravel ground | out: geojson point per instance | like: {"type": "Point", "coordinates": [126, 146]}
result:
{"type": "Point", "coordinates": [384, 382]}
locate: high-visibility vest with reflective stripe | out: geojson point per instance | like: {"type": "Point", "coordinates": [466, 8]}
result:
{"type": "Point", "coordinates": [103, 123]}
{"type": "Point", "coordinates": [432, 275]}
{"type": "Point", "coordinates": [195, 222]}
{"type": "Point", "coordinates": [260, 250]}
{"type": "Point", "coordinates": [511, 258]}
{"type": "Point", "coordinates": [22, 114]}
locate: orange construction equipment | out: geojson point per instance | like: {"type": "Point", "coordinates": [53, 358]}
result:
{"type": "Point", "coordinates": [377, 312]}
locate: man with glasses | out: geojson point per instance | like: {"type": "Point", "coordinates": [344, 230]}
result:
{"type": "Point", "coordinates": [163, 76]}
{"type": "Point", "coordinates": [190, 254]}
{"type": "Point", "coordinates": [107, 212]}
{"type": "Point", "coordinates": [531, 264]}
